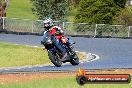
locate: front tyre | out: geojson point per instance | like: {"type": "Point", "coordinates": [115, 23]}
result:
{"type": "Point", "coordinates": [55, 58]}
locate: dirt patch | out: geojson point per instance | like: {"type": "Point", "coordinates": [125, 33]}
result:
{"type": "Point", "coordinates": [81, 55]}
{"type": "Point", "coordinates": [24, 77]}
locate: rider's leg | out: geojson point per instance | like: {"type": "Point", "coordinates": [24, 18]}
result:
{"type": "Point", "coordinates": [57, 43]}
{"type": "Point", "coordinates": [63, 50]}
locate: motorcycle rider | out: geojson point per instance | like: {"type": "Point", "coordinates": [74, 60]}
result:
{"type": "Point", "coordinates": [57, 33]}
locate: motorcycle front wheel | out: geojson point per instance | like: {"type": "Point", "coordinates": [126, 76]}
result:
{"type": "Point", "coordinates": [55, 58]}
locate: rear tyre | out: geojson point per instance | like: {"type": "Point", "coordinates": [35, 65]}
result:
{"type": "Point", "coordinates": [55, 58]}
{"type": "Point", "coordinates": [74, 59]}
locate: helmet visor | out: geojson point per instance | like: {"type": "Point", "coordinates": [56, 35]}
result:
{"type": "Point", "coordinates": [46, 25]}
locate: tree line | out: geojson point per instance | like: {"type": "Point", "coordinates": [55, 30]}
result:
{"type": "Point", "coordinates": [89, 11]}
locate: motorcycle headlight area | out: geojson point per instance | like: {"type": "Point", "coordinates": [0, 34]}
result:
{"type": "Point", "coordinates": [49, 41]}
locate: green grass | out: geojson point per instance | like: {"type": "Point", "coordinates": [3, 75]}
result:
{"type": "Point", "coordinates": [69, 82]}
{"type": "Point", "coordinates": [18, 55]}
{"type": "Point", "coordinates": [20, 9]}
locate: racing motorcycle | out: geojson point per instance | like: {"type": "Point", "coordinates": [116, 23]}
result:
{"type": "Point", "coordinates": [55, 54]}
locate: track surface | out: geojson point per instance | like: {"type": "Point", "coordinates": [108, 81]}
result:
{"type": "Point", "coordinates": [114, 53]}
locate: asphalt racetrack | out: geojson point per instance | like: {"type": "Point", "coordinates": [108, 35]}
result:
{"type": "Point", "coordinates": [113, 52]}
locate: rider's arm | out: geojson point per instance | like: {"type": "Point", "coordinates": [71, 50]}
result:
{"type": "Point", "coordinates": [59, 31]}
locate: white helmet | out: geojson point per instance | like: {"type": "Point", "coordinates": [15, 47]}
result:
{"type": "Point", "coordinates": [48, 22]}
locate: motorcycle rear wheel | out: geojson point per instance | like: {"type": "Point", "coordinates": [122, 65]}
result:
{"type": "Point", "coordinates": [74, 59]}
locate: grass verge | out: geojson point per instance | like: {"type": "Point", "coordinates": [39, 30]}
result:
{"type": "Point", "coordinates": [18, 55]}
